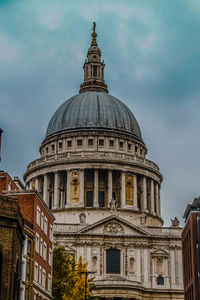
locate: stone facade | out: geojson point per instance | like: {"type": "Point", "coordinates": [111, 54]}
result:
{"type": "Point", "coordinates": [105, 195]}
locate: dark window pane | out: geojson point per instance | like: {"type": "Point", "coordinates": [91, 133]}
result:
{"type": "Point", "coordinates": [160, 280]}
{"type": "Point", "coordinates": [69, 143]}
{"type": "Point", "coordinates": [101, 142]}
{"type": "Point", "coordinates": [113, 261]}
{"type": "Point", "coordinates": [79, 142]}
{"type": "Point", "coordinates": [89, 199]}
{"type": "Point", "coordinates": [95, 71]}
{"type": "Point", "coordinates": [101, 199]}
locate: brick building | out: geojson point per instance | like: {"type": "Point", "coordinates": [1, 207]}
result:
{"type": "Point", "coordinates": [36, 268]}
{"type": "Point", "coordinates": [11, 241]}
{"type": "Point", "coordinates": [191, 251]}
{"type": "Point", "coordinates": [38, 255]}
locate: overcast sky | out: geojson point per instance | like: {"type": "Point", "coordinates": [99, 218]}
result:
{"type": "Point", "coordinates": [152, 54]}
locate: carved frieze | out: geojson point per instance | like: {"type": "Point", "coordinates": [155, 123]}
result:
{"type": "Point", "coordinates": [113, 228]}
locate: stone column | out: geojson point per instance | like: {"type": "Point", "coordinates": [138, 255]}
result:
{"type": "Point", "coordinates": [56, 191]}
{"type": "Point", "coordinates": [68, 173]}
{"type": "Point", "coordinates": [37, 184]}
{"type": "Point", "coordinates": [109, 186]}
{"type": "Point", "coordinates": [159, 212]}
{"type": "Point", "coordinates": [123, 203]}
{"type": "Point", "coordinates": [152, 197]}
{"type": "Point", "coordinates": [157, 198]}
{"type": "Point", "coordinates": [45, 187]}
{"type": "Point", "coordinates": [82, 187]}
{"type": "Point", "coordinates": [144, 194]}
{"type": "Point", "coordinates": [96, 188]}
{"type": "Point", "coordinates": [135, 200]}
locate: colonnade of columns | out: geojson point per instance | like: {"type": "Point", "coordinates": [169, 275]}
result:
{"type": "Point", "coordinates": [146, 191]}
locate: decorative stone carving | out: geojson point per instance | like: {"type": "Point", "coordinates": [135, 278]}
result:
{"type": "Point", "coordinates": [82, 218]}
{"type": "Point", "coordinates": [175, 222]}
{"type": "Point", "coordinates": [143, 219]}
{"type": "Point", "coordinates": [113, 228]}
{"type": "Point", "coordinates": [113, 205]}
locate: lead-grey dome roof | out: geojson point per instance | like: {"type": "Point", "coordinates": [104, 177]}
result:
{"type": "Point", "coordinates": [93, 110]}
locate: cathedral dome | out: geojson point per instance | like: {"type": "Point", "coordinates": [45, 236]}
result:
{"type": "Point", "coordinates": [93, 110]}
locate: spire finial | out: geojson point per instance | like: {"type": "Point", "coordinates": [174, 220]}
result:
{"type": "Point", "coordinates": [94, 35]}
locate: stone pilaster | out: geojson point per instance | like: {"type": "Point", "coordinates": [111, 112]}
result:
{"type": "Point", "coordinates": [45, 187]}
{"type": "Point", "coordinates": [144, 194]}
{"type": "Point", "coordinates": [82, 187]}
{"type": "Point", "coordinates": [56, 191]}
{"type": "Point", "coordinates": [96, 188]}
{"type": "Point", "coordinates": [152, 197]}
{"type": "Point", "coordinates": [109, 186]}
{"type": "Point", "coordinates": [123, 203]}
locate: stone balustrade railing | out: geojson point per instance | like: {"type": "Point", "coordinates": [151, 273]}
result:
{"type": "Point", "coordinates": [94, 155]}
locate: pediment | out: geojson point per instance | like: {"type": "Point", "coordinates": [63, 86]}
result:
{"type": "Point", "coordinates": [160, 253]}
{"type": "Point", "coordinates": [114, 225]}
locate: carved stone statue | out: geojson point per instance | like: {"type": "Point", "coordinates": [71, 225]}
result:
{"type": "Point", "coordinates": [113, 205]}
{"type": "Point", "coordinates": [175, 222]}
{"type": "Point", "coordinates": [82, 218]}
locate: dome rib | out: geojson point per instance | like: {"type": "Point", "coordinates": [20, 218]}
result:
{"type": "Point", "coordinates": [93, 110]}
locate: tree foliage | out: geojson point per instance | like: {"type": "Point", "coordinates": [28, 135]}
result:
{"type": "Point", "coordinates": [70, 279]}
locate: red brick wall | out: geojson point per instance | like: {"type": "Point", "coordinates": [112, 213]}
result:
{"type": "Point", "coordinates": [189, 239]}
{"type": "Point", "coordinates": [5, 179]}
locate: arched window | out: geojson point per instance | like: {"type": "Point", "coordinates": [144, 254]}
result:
{"type": "Point", "coordinates": [113, 261]}
{"type": "Point", "coordinates": [95, 71]}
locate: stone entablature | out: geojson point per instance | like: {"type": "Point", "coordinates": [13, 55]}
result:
{"type": "Point", "coordinates": [82, 156]}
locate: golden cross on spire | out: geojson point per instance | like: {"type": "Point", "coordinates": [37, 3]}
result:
{"type": "Point", "coordinates": [94, 35]}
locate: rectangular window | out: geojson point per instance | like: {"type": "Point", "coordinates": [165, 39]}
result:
{"type": "Point", "coordinates": [112, 143]}
{"type": "Point", "coordinates": [42, 221]}
{"type": "Point", "coordinates": [89, 199]}
{"type": "Point", "coordinates": [45, 251]}
{"type": "Point", "coordinates": [51, 233]}
{"type": "Point", "coordinates": [38, 216]}
{"type": "Point", "coordinates": [37, 242]}
{"type": "Point", "coordinates": [44, 278]}
{"type": "Point", "coordinates": [41, 247]}
{"type": "Point", "coordinates": [140, 151]}
{"type": "Point", "coordinates": [69, 144]}
{"type": "Point", "coordinates": [45, 225]}
{"type": "Point", "coordinates": [50, 257]}
{"type": "Point", "coordinates": [79, 143]}
{"type": "Point", "coordinates": [40, 275]}
{"type": "Point", "coordinates": [29, 246]}
{"type": "Point", "coordinates": [60, 145]}
{"type": "Point", "coordinates": [49, 283]}
{"type": "Point", "coordinates": [90, 142]}
{"type": "Point", "coordinates": [101, 199]}
{"type": "Point", "coordinates": [113, 261]}
{"type": "Point", "coordinates": [53, 148]}
{"type": "Point", "coordinates": [95, 71]}
{"type": "Point", "coordinates": [36, 272]}
{"type": "Point", "coordinates": [121, 145]}
{"type": "Point", "coordinates": [101, 142]}
{"type": "Point", "coordinates": [129, 147]}
{"type": "Point", "coordinates": [136, 149]}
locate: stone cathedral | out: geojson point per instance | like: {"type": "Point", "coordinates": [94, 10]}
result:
{"type": "Point", "coordinates": [105, 195]}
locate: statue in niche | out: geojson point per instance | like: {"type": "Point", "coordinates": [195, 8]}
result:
{"type": "Point", "coordinates": [143, 219]}
{"type": "Point", "coordinates": [113, 205]}
{"type": "Point", "coordinates": [82, 218]}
